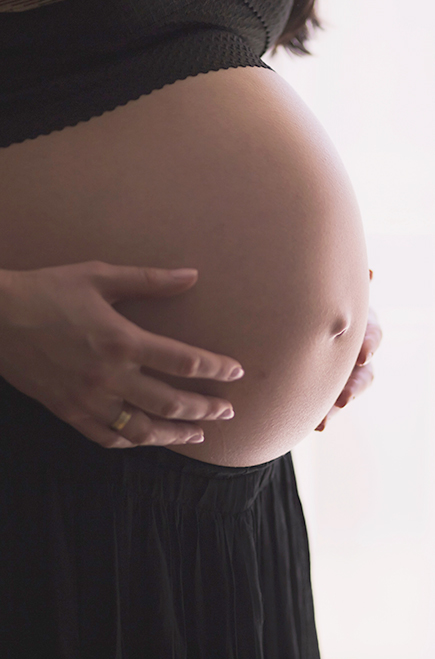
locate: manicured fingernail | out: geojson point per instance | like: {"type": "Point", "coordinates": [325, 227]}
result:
{"type": "Point", "coordinates": [196, 439]}
{"type": "Point", "coordinates": [228, 414]}
{"type": "Point", "coordinates": [236, 373]}
{"type": "Point", "coordinates": [321, 427]}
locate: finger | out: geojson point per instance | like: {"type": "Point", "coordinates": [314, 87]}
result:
{"type": "Point", "coordinates": [126, 340]}
{"type": "Point", "coordinates": [170, 356]}
{"type": "Point", "coordinates": [322, 425]}
{"type": "Point", "coordinates": [332, 412]}
{"type": "Point", "coordinates": [118, 282]}
{"type": "Point", "coordinates": [359, 380]}
{"type": "Point", "coordinates": [158, 398]}
{"type": "Point", "coordinates": [102, 434]}
{"type": "Point", "coordinates": [364, 357]}
{"type": "Point", "coordinates": [372, 339]}
{"type": "Point", "coordinates": [139, 431]}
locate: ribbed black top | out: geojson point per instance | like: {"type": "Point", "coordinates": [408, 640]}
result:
{"type": "Point", "coordinates": [68, 61]}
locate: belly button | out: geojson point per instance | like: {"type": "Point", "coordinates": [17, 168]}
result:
{"type": "Point", "coordinates": [340, 327]}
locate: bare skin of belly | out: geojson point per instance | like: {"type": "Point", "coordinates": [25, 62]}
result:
{"type": "Point", "coordinates": [230, 173]}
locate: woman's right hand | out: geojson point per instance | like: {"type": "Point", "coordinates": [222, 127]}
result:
{"type": "Point", "coordinates": [62, 343]}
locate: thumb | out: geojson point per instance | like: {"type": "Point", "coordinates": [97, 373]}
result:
{"type": "Point", "coordinates": [118, 282]}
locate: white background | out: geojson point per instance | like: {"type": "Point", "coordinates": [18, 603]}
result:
{"type": "Point", "coordinates": [367, 482]}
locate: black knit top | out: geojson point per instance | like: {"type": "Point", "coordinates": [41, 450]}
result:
{"type": "Point", "coordinates": [65, 61]}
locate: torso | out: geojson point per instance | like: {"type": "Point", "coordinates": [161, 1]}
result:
{"type": "Point", "coordinates": [230, 173]}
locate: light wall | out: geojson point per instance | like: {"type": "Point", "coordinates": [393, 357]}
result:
{"type": "Point", "coordinates": [367, 482]}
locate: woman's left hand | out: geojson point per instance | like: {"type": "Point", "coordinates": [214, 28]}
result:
{"type": "Point", "coordinates": [362, 375]}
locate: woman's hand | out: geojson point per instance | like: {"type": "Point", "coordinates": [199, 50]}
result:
{"type": "Point", "coordinates": [362, 375]}
{"type": "Point", "coordinates": [62, 343]}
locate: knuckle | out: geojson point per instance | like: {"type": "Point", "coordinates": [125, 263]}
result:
{"type": "Point", "coordinates": [145, 433]}
{"type": "Point", "coordinates": [94, 377]}
{"type": "Point", "coordinates": [94, 271]}
{"type": "Point", "coordinates": [189, 365]}
{"type": "Point", "coordinates": [115, 346]}
{"type": "Point", "coordinates": [149, 438]}
{"type": "Point", "coordinates": [173, 408]}
{"type": "Point", "coordinates": [150, 276]}
{"type": "Point", "coordinates": [97, 268]}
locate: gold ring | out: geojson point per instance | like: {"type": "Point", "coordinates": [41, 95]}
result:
{"type": "Point", "coordinates": [121, 421]}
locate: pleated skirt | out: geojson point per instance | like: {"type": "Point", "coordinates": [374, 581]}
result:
{"type": "Point", "coordinates": [144, 553]}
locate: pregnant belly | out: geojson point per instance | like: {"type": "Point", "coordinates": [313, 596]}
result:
{"type": "Point", "coordinates": [230, 173]}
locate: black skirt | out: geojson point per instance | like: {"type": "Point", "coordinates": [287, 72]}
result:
{"type": "Point", "coordinates": [144, 553]}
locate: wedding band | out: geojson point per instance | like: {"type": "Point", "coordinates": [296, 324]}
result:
{"type": "Point", "coordinates": [121, 421]}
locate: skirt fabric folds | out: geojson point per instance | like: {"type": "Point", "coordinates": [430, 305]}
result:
{"type": "Point", "coordinates": [144, 553]}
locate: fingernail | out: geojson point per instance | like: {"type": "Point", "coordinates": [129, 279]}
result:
{"type": "Point", "coordinates": [368, 358]}
{"type": "Point", "coordinates": [321, 427]}
{"type": "Point", "coordinates": [236, 373]}
{"type": "Point", "coordinates": [228, 414]}
{"type": "Point", "coordinates": [196, 439]}
{"type": "Point", "coordinates": [183, 273]}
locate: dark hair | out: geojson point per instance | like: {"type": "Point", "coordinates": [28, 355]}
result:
{"type": "Point", "coordinates": [302, 20]}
